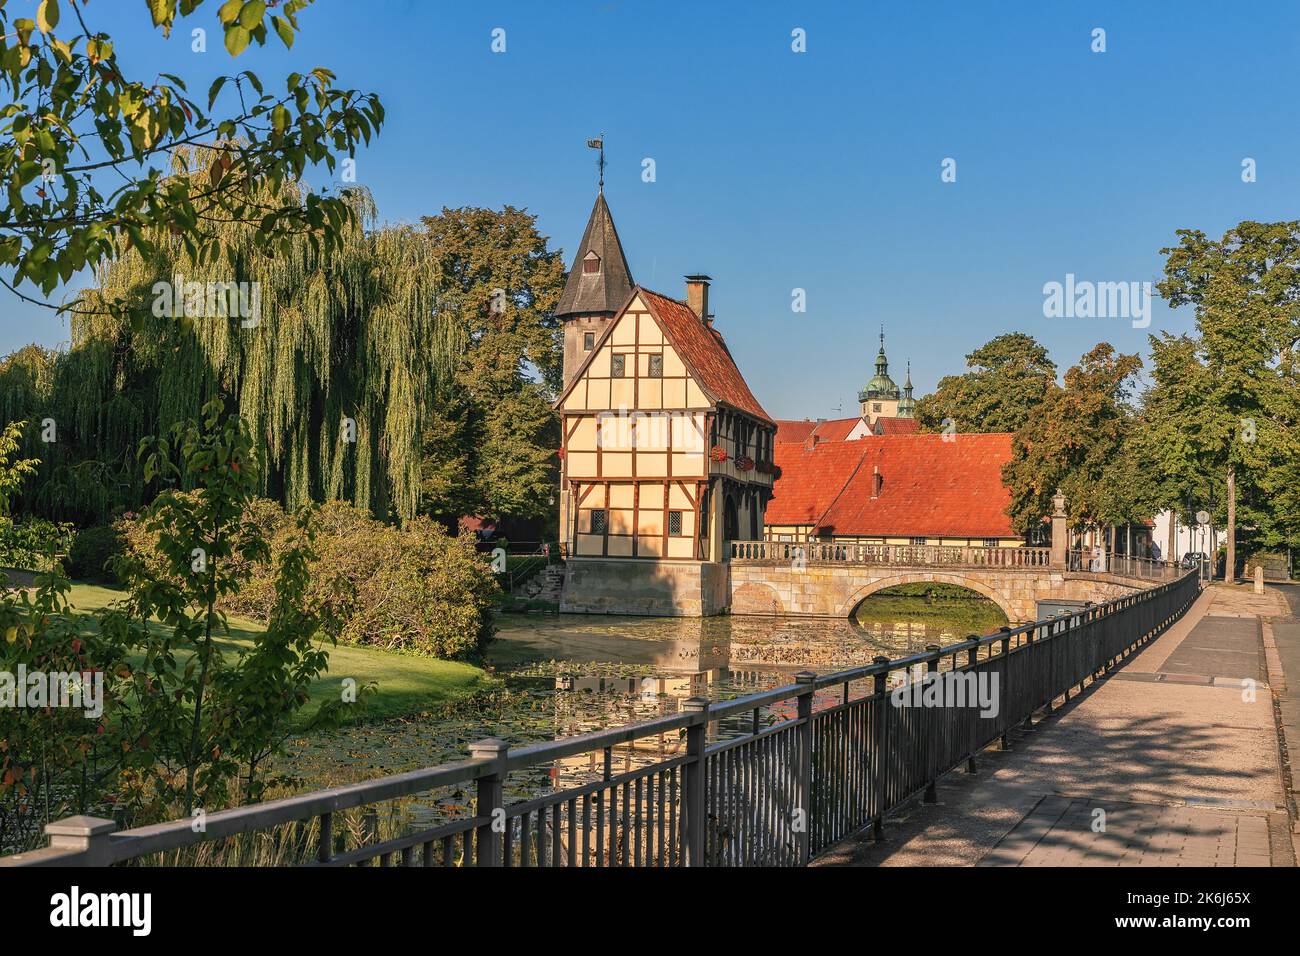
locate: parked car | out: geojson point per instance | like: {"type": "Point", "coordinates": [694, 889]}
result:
{"type": "Point", "coordinates": [1194, 559]}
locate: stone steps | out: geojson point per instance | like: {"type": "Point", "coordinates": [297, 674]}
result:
{"type": "Point", "coordinates": [546, 585]}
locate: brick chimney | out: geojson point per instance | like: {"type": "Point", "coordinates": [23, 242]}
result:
{"type": "Point", "coordinates": [697, 296]}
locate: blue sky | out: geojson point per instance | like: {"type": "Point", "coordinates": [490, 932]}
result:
{"type": "Point", "coordinates": [778, 170]}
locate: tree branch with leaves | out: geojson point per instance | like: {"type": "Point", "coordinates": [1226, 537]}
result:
{"type": "Point", "coordinates": [88, 153]}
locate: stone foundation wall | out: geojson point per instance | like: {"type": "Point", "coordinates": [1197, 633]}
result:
{"type": "Point", "coordinates": [660, 588]}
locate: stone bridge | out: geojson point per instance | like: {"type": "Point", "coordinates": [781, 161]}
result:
{"type": "Point", "coordinates": [829, 580]}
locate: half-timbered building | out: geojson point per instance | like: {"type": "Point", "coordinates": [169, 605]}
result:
{"type": "Point", "coordinates": [667, 456]}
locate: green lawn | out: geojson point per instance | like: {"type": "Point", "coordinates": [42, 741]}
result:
{"type": "Point", "coordinates": [406, 684]}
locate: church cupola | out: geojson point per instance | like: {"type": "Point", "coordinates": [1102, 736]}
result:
{"type": "Point", "coordinates": [881, 387]}
{"type": "Point", "coordinates": [879, 398]}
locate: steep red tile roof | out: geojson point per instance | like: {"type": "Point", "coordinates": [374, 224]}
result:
{"type": "Point", "coordinates": [705, 353]}
{"type": "Point", "coordinates": [897, 426]}
{"type": "Point", "coordinates": [790, 430]}
{"type": "Point", "coordinates": [811, 478]}
{"type": "Point", "coordinates": [835, 429]}
{"type": "Point", "coordinates": [931, 487]}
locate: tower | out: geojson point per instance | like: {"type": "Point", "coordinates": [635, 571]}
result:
{"type": "Point", "coordinates": [880, 397]}
{"type": "Point", "coordinates": [598, 285]}
{"type": "Point", "coordinates": [907, 404]}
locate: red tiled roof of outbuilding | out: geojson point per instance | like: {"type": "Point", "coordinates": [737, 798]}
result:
{"type": "Point", "coordinates": [793, 430]}
{"type": "Point", "coordinates": [834, 429]}
{"type": "Point", "coordinates": [933, 485]}
{"type": "Point", "coordinates": [705, 353]}
{"type": "Point", "coordinates": [887, 425]}
{"type": "Point", "coordinates": [930, 487]}
{"type": "Point", "coordinates": [810, 479]}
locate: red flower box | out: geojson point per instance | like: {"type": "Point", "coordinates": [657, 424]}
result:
{"type": "Point", "coordinates": [718, 453]}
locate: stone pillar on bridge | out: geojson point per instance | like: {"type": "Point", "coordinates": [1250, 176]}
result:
{"type": "Point", "coordinates": [1060, 542]}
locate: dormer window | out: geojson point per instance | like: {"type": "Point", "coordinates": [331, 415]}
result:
{"type": "Point", "coordinates": [591, 264]}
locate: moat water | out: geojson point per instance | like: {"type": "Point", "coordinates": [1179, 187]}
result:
{"type": "Point", "coordinates": [560, 675]}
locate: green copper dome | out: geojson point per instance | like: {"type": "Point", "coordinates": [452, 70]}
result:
{"type": "Point", "coordinates": [881, 385]}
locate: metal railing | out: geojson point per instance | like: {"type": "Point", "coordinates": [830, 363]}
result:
{"type": "Point", "coordinates": [767, 779]}
{"type": "Point", "coordinates": [1101, 562]}
{"type": "Point", "coordinates": [925, 555]}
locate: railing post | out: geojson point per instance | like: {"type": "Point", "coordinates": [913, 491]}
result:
{"type": "Point", "coordinates": [972, 656]}
{"type": "Point", "coordinates": [1006, 672]}
{"type": "Point", "coordinates": [696, 736]}
{"type": "Point", "coordinates": [931, 667]}
{"type": "Point", "coordinates": [89, 836]}
{"type": "Point", "coordinates": [880, 686]}
{"type": "Point", "coordinates": [1029, 643]}
{"type": "Point", "coordinates": [803, 779]}
{"type": "Point", "coordinates": [490, 797]}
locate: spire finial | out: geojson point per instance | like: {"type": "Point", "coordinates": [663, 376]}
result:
{"type": "Point", "coordinates": [600, 163]}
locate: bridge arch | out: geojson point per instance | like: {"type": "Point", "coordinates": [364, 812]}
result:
{"type": "Point", "coordinates": [927, 577]}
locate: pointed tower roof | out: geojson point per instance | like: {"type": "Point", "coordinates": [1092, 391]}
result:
{"type": "Point", "coordinates": [602, 283]}
{"type": "Point", "coordinates": [907, 404]}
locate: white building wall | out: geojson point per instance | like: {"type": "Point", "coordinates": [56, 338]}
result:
{"type": "Point", "coordinates": [1205, 538]}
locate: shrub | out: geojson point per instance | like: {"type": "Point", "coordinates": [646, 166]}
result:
{"type": "Point", "coordinates": [411, 588]}
{"type": "Point", "coordinates": [419, 589]}
{"type": "Point", "coordinates": [28, 544]}
{"type": "Point", "coordinates": [54, 759]}
{"type": "Point", "coordinates": [91, 551]}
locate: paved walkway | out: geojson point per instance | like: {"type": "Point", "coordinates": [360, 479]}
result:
{"type": "Point", "coordinates": [1174, 760]}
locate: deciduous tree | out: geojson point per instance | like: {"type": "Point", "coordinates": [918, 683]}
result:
{"type": "Point", "coordinates": [1006, 380]}
{"type": "Point", "coordinates": [1071, 442]}
{"type": "Point", "coordinates": [1240, 385]}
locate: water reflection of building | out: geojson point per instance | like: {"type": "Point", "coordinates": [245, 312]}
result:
{"type": "Point", "coordinates": [912, 635]}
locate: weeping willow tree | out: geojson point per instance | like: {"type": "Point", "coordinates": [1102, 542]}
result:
{"type": "Point", "coordinates": [329, 357]}
{"type": "Point", "coordinates": [341, 363]}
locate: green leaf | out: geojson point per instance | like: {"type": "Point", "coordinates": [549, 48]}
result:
{"type": "Point", "coordinates": [97, 50]}
{"type": "Point", "coordinates": [47, 15]}
{"type": "Point", "coordinates": [250, 15]}
{"type": "Point", "coordinates": [284, 31]}
{"type": "Point", "coordinates": [215, 89]}
{"type": "Point", "coordinates": [162, 12]}
{"type": "Point", "coordinates": [279, 119]}
{"type": "Point", "coordinates": [229, 11]}
{"type": "Point", "coordinates": [236, 40]}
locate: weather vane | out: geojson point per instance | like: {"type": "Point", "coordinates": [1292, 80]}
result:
{"type": "Point", "coordinates": [600, 164]}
